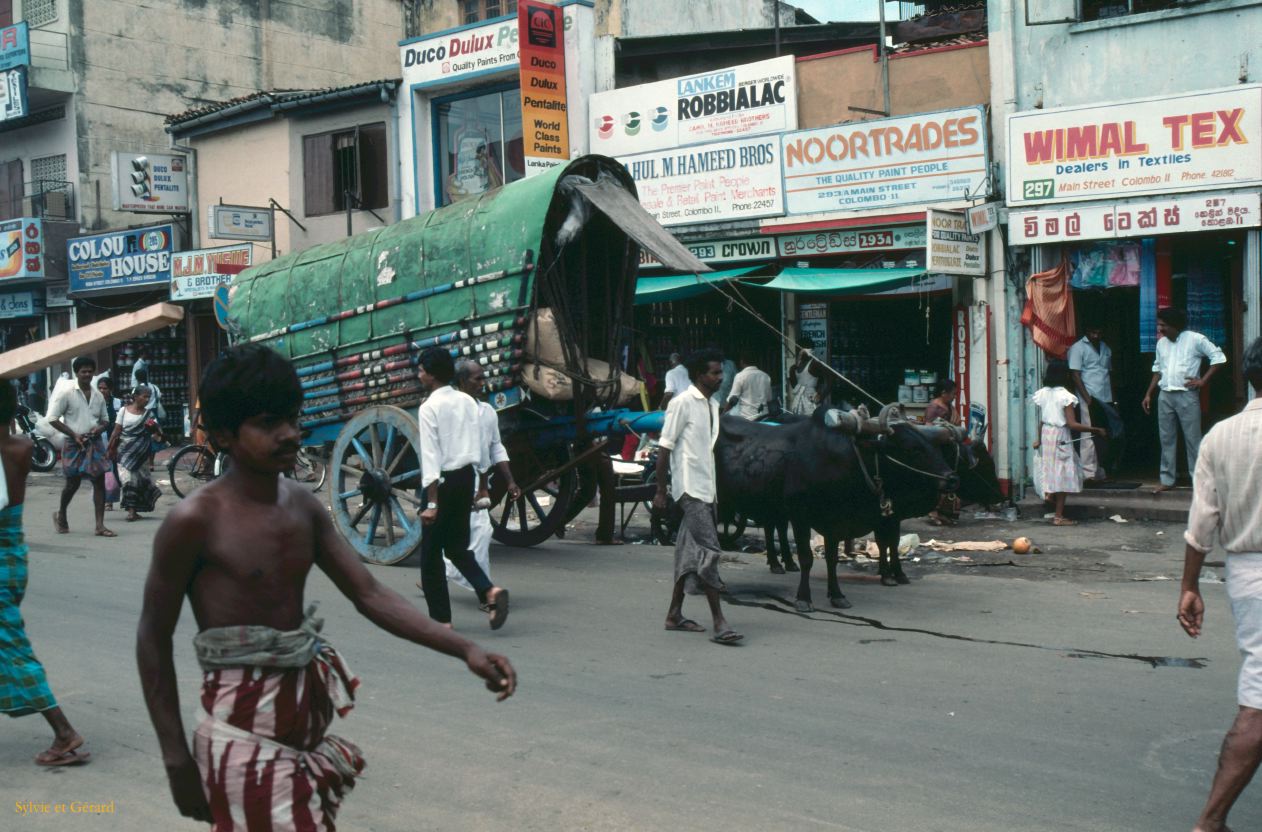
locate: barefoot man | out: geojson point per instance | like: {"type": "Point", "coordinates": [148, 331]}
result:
{"type": "Point", "coordinates": [79, 412]}
{"type": "Point", "coordinates": [23, 685]}
{"type": "Point", "coordinates": [687, 445]}
{"type": "Point", "coordinates": [1226, 493]}
{"type": "Point", "coordinates": [240, 548]}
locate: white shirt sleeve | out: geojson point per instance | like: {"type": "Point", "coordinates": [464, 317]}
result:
{"type": "Point", "coordinates": [1210, 350]}
{"type": "Point", "coordinates": [431, 450]}
{"type": "Point", "coordinates": [1157, 357]}
{"type": "Point", "coordinates": [1205, 516]}
{"type": "Point", "coordinates": [57, 407]}
{"type": "Point", "coordinates": [495, 444]}
{"type": "Point", "coordinates": [738, 386]}
{"type": "Point", "coordinates": [673, 428]}
{"type": "Point", "coordinates": [1075, 356]}
{"type": "Point", "coordinates": [677, 380]}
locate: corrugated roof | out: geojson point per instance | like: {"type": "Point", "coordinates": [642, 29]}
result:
{"type": "Point", "coordinates": [271, 97]}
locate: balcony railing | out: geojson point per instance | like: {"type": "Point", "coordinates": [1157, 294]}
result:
{"type": "Point", "coordinates": [47, 198]}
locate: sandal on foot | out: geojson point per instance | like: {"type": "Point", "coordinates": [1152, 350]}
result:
{"type": "Point", "coordinates": [70, 757]}
{"type": "Point", "coordinates": [686, 625]}
{"type": "Point", "coordinates": [105, 533]}
{"type": "Point", "coordinates": [498, 609]}
{"type": "Point", "coordinates": [60, 525]}
{"type": "Point", "coordinates": [727, 637]}
{"type": "Point", "coordinates": [1063, 521]}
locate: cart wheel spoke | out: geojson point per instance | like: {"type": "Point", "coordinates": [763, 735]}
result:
{"type": "Point", "coordinates": [376, 445]}
{"type": "Point", "coordinates": [346, 495]}
{"type": "Point", "coordinates": [409, 475]}
{"type": "Point", "coordinates": [521, 511]}
{"type": "Point", "coordinates": [389, 509]}
{"type": "Point", "coordinates": [508, 509]}
{"type": "Point", "coordinates": [394, 463]}
{"type": "Point", "coordinates": [402, 515]}
{"type": "Point", "coordinates": [534, 503]}
{"type": "Point", "coordinates": [363, 509]}
{"type": "Point", "coordinates": [364, 457]}
{"type": "Point", "coordinates": [372, 525]}
{"type": "Point", "coordinates": [351, 470]}
{"type": "Point", "coordinates": [400, 494]}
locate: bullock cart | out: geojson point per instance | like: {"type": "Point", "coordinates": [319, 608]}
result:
{"type": "Point", "coordinates": [534, 280]}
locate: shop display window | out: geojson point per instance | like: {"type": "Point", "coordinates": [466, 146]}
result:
{"type": "Point", "coordinates": [478, 141]}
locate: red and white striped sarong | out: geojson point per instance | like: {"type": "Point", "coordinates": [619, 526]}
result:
{"type": "Point", "coordinates": [266, 761]}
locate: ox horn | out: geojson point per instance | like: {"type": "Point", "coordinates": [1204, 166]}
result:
{"type": "Point", "coordinates": [849, 423]}
{"type": "Point", "coordinates": [884, 419]}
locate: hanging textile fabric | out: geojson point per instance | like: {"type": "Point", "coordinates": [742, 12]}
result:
{"type": "Point", "coordinates": [1049, 310]}
{"type": "Point", "coordinates": [1205, 303]}
{"type": "Point", "coordinates": [1148, 295]}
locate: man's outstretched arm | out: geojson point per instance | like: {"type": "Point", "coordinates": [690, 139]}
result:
{"type": "Point", "coordinates": [176, 550]}
{"type": "Point", "coordinates": [395, 614]}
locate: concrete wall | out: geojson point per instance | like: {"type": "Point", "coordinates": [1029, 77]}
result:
{"type": "Point", "coordinates": [646, 18]}
{"type": "Point", "coordinates": [937, 79]}
{"type": "Point", "coordinates": [136, 63]}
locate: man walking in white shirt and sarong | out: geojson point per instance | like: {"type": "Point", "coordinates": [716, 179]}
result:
{"type": "Point", "coordinates": [686, 460]}
{"type": "Point", "coordinates": [750, 397]}
{"type": "Point", "coordinates": [676, 379]}
{"type": "Point", "coordinates": [1177, 370]}
{"type": "Point", "coordinates": [1226, 494]}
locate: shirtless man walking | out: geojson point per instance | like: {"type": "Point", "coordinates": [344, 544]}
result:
{"type": "Point", "coordinates": [241, 548]}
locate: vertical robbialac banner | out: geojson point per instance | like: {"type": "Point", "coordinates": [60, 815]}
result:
{"type": "Point", "coordinates": [544, 109]}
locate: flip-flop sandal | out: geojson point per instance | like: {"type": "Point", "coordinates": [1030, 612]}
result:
{"type": "Point", "coordinates": [1064, 522]}
{"type": "Point", "coordinates": [61, 526]}
{"type": "Point", "coordinates": [106, 533]}
{"type": "Point", "coordinates": [498, 610]}
{"type": "Point", "coordinates": [687, 625]}
{"type": "Point", "coordinates": [729, 637]}
{"type": "Point", "coordinates": [73, 757]}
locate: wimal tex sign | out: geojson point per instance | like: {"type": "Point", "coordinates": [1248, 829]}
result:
{"type": "Point", "coordinates": [928, 157]}
{"type": "Point", "coordinates": [710, 182]}
{"type": "Point", "coordinates": [544, 107]}
{"type": "Point", "coordinates": [120, 260]}
{"type": "Point", "coordinates": [197, 274]}
{"type": "Point", "coordinates": [1189, 142]}
{"type": "Point", "coordinates": [747, 100]}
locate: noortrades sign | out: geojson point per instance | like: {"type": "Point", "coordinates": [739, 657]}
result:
{"type": "Point", "coordinates": [747, 100]}
{"type": "Point", "coordinates": [928, 157]}
{"type": "Point", "coordinates": [711, 182]}
{"type": "Point", "coordinates": [1136, 219]}
{"type": "Point", "coordinates": [21, 249]}
{"type": "Point", "coordinates": [15, 46]}
{"type": "Point", "coordinates": [952, 248]}
{"type": "Point", "coordinates": [150, 183]}
{"type": "Point", "coordinates": [134, 259]}
{"type": "Point", "coordinates": [844, 241]}
{"type": "Point", "coordinates": [197, 274]}
{"type": "Point", "coordinates": [1187, 142]}
{"type": "Point", "coordinates": [544, 108]}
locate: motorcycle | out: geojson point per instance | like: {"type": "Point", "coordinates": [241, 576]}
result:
{"type": "Point", "coordinates": [45, 456]}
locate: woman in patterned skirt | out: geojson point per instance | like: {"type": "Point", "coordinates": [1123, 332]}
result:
{"type": "Point", "coordinates": [1061, 472]}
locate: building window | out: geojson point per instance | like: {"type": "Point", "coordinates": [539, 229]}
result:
{"type": "Point", "coordinates": [346, 169]}
{"type": "Point", "coordinates": [479, 143]}
{"type": "Point", "coordinates": [39, 12]}
{"type": "Point", "coordinates": [1100, 9]}
{"type": "Point", "coordinates": [473, 11]}
{"type": "Point", "coordinates": [48, 171]}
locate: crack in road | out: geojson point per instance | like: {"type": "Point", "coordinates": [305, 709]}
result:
{"type": "Point", "coordinates": [863, 621]}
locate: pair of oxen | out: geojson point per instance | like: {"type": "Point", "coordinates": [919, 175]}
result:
{"type": "Point", "coordinates": [843, 474]}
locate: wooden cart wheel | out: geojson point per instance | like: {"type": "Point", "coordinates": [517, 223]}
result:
{"type": "Point", "coordinates": [538, 515]}
{"type": "Point", "coordinates": [376, 468]}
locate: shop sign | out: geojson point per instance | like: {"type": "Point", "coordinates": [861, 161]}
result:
{"type": "Point", "coordinates": [55, 295]}
{"type": "Point", "coordinates": [813, 324]}
{"type": "Point", "coordinates": [849, 240]}
{"type": "Point", "coordinates": [952, 249]}
{"type": "Point", "coordinates": [959, 360]}
{"type": "Point", "coordinates": [150, 183]}
{"type": "Point", "coordinates": [708, 183]}
{"type": "Point", "coordinates": [15, 46]}
{"type": "Point", "coordinates": [134, 259]}
{"type": "Point", "coordinates": [21, 248]}
{"type": "Point", "coordinates": [20, 304]}
{"type": "Point", "coordinates": [239, 222]}
{"type": "Point", "coordinates": [931, 157]}
{"type": "Point", "coordinates": [982, 218]}
{"type": "Point", "coordinates": [746, 100]}
{"type": "Point", "coordinates": [740, 250]}
{"type": "Point", "coordinates": [13, 103]}
{"type": "Point", "coordinates": [1187, 142]}
{"type": "Point", "coordinates": [1136, 219]}
{"type": "Point", "coordinates": [544, 110]}
{"type": "Point", "coordinates": [196, 274]}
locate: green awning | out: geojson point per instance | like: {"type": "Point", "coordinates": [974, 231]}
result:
{"type": "Point", "coordinates": [665, 288]}
{"type": "Point", "coordinates": [842, 281]}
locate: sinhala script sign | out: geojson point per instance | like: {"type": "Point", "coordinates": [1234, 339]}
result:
{"type": "Point", "coordinates": [928, 157]}
{"type": "Point", "coordinates": [747, 100]}
{"type": "Point", "coordinates": [1188, 142]}
{"type": "Point", "coordinates": [195, 274]}
{"type": "Point", "coordinates": [708, 183]}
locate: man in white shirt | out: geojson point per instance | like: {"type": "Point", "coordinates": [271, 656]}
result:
{"type": "Point", "coordinates": [1177, 370]}
{"type": "Point", "coordinates": [1091, 364]}
{"type": "Point", "coordinates": [471, 380]}
{"type": "Point", "coordinates": [142, 364]}
{"type": "Point", "coordinates": [676, 379]}
{"type": "Point", "coordinates": [1226, 493]}
{"type": "Point", "coordinates": [453, 452]}
{"type": "Point", "coordinates": [78, 411]}
{"type": "Point", "coordinates": [687, 450]}
{"type": "Point", "coordinates": [751, 391]}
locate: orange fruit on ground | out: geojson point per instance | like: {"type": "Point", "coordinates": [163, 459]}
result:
{"type": "Point", "coordinates": [1022, 545]}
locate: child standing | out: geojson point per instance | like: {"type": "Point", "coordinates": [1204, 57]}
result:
{"type": "Point", "coordinates": [241, 549]}
{"type": "Point", "coordinates": [1058, 464]}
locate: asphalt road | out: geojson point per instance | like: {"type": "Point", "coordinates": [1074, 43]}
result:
{"type": "Point", "coordinates": [1004, 697]}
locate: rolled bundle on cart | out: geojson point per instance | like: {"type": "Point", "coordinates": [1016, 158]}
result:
{"type": "Point", "coordinates": [534, 280]}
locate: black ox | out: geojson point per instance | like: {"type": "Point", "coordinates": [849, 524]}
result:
{"type": "Point", "coordinates": [840, 473]}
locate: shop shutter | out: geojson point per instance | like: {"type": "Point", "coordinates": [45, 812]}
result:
{"type": "Point", "coordinates": [11, 189]}
{"type": "Point", "coordinates": [317, 175]}
{"type": "Point", "coordinates": [374, 177]}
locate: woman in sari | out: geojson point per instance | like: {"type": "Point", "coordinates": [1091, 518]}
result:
{"type": "Point", "coordinates": [131, 446]}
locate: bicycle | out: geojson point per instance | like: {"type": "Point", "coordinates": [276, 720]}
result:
{"type": "Point", "coordinates": [193, 466]}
